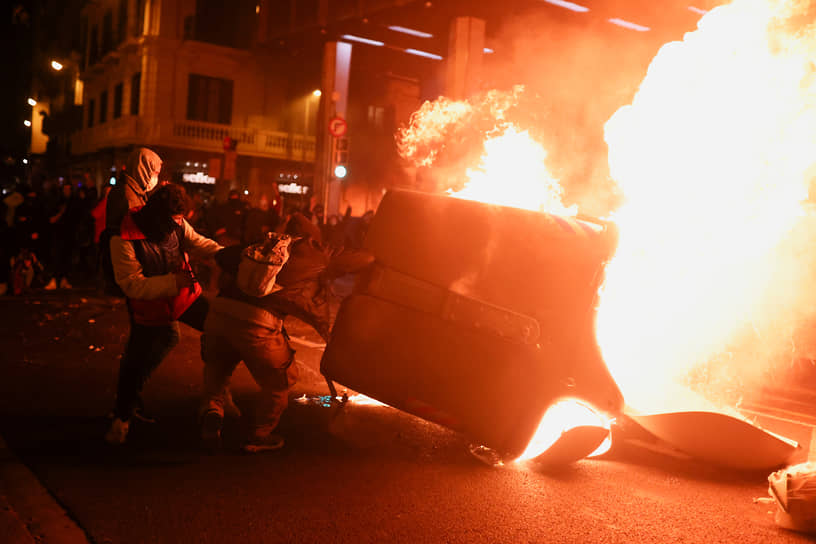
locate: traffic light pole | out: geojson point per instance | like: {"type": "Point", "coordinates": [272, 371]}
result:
{"type": "Point", "coordinates": [333, 104]}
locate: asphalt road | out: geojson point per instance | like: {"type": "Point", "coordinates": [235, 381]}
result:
{"type": "Point", "coordinates": [360, 474]}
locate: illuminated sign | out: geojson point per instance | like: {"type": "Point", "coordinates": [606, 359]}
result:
{"type": "Point", "coordinates": [293, 188]}
{"type": "Point", "coordinates": [198, 177]}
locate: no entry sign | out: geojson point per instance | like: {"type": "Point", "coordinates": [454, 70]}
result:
{"type": "Point", "coordinates": [337, 127]}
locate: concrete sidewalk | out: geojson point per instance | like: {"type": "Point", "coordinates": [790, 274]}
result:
{"type": "Point", "coordinates": [28, 512]}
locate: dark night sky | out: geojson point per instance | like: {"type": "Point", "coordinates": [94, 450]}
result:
{"type": "Point", "coordinates": [16, 61]}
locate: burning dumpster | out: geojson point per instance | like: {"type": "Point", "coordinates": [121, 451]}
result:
{"type": "Point", "coordinates": [475, 316]}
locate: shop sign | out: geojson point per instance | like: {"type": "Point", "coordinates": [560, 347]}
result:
{"type": "Point", "coordinates": [198, 177]}
{"type": "Point", "coordinates": [293, 188]}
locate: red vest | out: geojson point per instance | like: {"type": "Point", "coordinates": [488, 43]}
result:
{"type": "Point", "coordinates": [154, 261]}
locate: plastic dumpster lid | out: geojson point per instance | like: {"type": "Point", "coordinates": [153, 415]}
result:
{"type": "Point", "coordinates": [719, 438]}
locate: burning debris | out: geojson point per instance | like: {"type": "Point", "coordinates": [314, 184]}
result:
{"type": "Point", "coordinates": [711, 279]}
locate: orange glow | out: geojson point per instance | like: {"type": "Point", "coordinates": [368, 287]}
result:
{"type": "Point", "coordinates": [715, 265]}
{"type": "Point", "coordinates": [362, 400]}
{"type": "Point", "coordinates": [560, 417]}
{"type": "Point", "coordinates": [712, 157]}
{"type": "Point", "coordinates": [513, 173]}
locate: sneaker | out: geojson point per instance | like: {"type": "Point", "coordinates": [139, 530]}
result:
{"type": "Point", "coordinates": [211, 423]}
{"type": "Point", "coordinates": [64, 284]}
{"type": "Point", "coordinates": [117, 434]}
{"type": "Point", "coordinates": [51, 285]}
{"type": "Point", "coordinates": [230, 409]}
{"type": "Point", "coordinates": [258, 444]}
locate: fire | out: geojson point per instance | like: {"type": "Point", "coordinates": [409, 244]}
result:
{"type": "Point", "coordinates": [712, 157]}
{"type": "Point", "coordinates": [519, 162]}
{"type": "Point", "coordinates": [559, 418]}
{"type": "Point", "coordinates": [513, 170]}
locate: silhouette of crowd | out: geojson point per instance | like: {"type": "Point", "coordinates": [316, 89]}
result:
{"type": "Point", "coordinates": [50, 235]}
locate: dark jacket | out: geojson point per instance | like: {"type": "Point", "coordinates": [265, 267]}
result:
{"type": "Point", "coordinates": [159, 260]}
{"type": "Point", "coordinates": [305, 281]}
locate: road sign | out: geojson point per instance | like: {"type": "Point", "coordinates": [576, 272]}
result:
{"type": "Point", "coordinates": [337, 126]}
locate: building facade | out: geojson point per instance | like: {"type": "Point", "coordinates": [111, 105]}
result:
{"type": "Point", "coordinates": [159, 73]}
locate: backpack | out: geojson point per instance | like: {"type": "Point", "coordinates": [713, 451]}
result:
{"type": "Point", "coordinates": [260, 263]}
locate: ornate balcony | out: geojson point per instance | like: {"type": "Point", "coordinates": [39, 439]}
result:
{"type": "Point", "coordinates": [133, 130]}
{"type": "Point", "coordinates": [251, 141]}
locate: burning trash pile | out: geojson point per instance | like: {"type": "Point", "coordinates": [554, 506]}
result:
{"type": "Point", "coordinates": [502, 306]}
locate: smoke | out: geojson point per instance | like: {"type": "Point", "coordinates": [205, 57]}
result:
{"type": "Point", "coordinates": [560, 77]}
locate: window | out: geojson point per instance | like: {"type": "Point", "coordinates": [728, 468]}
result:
{"type": "Point", "coordinates": [83, 39]}
{"type": "Point", "coordinates": [376, 116]}
{"type": "Point", "coordinates": [107, 32]}
{"type": "Point", "coordinates": [93, 50]}
{"type": "Point", "coordinates": [209, 99]}
{"type": "Point", "coordinates": [135, 92]}
{"type": "Point", "coordinates": [117, 101]}
{"type": "Point", "coordinates": [306, 12]}
{"type": "Point", "coordinates": [103, 107]}
{"type": "Point", "coordinates": [189, 27]}
{"type": "Point", "coordinates": [138, 28]}
{"type": "Point", "coordinates": [280, 14]}
{"type": "Point", "coordinates": [231, 23]}
{"type": "Point", "coordinates": [91, 109]}
{"type": "Point", "coordinates": [121, 21]}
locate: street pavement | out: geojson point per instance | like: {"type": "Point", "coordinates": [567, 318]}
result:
{"type": "Point", "coordinates": [357, 474]}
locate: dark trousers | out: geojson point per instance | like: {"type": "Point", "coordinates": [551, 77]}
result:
{"type": "Point", "coordinates": [146, 348]}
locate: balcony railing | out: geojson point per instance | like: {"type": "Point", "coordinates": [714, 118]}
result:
{"type": "Point", "coordinates": [251, 141]}
{"type": "Point", "coordinates": [196, 135]}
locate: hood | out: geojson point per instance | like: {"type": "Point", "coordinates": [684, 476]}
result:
{"type": "Point", "coordinates": [140, 164]}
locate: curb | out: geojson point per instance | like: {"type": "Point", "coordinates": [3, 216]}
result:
{"type": "Point", "coordinates": [28, 512]}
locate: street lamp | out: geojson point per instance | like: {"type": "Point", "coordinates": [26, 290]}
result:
{"type": "Point", "coordinates": [27, 123]}
{"type": "Point", "coordinates": [32, 102]}
{"type": "Point", "coordinates": [316, 93]}
{"type": "Point", "coordinates": [56, 65]}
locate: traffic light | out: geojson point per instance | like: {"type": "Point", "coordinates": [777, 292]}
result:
{"type": "Point", "coordinates": [339, 166]}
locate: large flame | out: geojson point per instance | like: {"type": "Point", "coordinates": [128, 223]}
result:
{"type": "Point", "coordinates": [518, 161]}
{"type": "Point", "coordinates": [512, 170]}
{"type": "Point", "coordinates": [712, 157]}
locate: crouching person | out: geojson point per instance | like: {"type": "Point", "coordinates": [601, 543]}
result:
{"type": "Point", "coordinates": [248, 328]}
{"type": "Point", "coordinates": [151, 265]}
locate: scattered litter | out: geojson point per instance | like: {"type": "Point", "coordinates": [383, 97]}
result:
{"type": "Point", "coordinates": [100, 348]}
{"type": "Point", "coordinates": [794, 491]}
{"type": "Point", "coordinates": [324, 401]}
{"type": "Point", "coordinates": [486, 455]}
{"type": "Point", "coordinates": [92, 321]}
{"type": "Point", "coordinates": [91, 346]}
{"type": "Point", "coordinates": [56, 338]}
{"type": "Point", "coordinates": [83, 300]}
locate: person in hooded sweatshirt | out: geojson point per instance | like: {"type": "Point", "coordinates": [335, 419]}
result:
{"type": "Point", "coordinates": [140, 178]}
{"type": "Point", "coordinates": [151, 265]}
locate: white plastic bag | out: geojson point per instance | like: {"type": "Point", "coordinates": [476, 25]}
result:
{"type": "Point", "coordinates": [794, 489]}
{"type": "Point", "coordinates": [261, 263]}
